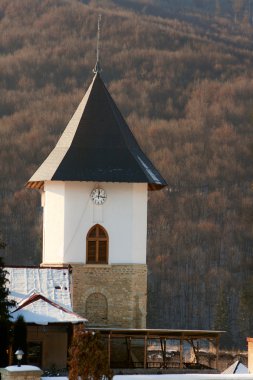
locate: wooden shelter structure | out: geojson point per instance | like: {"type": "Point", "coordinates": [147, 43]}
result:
{"type": "Point", "coordinates": [135, 348]}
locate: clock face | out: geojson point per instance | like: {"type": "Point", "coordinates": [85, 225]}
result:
{"type": "Point", "coordinates": [98, 196]}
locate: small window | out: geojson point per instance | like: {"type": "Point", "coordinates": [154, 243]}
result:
{"type": "Point", "coordinates": [97, 245]}
{"type": "Point", "coordinates": [34, 353]}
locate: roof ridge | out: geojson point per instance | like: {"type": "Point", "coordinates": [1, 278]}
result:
{"type": "Point", "coordinates": [36, 296]}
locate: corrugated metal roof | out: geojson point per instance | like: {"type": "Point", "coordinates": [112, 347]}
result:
{"type": "Point", "coordinates": [42, 295]}
{"type": "Point", "coordinates": [52, 283]}
{"type": "Point", "coordinates": [97, 145]}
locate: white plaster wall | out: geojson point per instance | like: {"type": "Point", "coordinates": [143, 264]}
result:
{"type": "Point", "coordinates": [139, 225]}
{"type": "Point", "coordinates": [53, 222]}
{"type": "Point", "coordinates": [123, 215]}
{"type": "Point", "coordinates": [125, 218]}
{"type": "Point", "coordinates": [78, 219]}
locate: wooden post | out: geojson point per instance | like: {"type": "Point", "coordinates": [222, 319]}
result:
{"type": "Point", "coordinates": [165, 350]}
{"type": "Point", "coordinates": [129, 346]}
{"type": "Point", "coordinates": [163, 347]}
{"type": "Point", "coordinates": [109, 350]}
{"type": "Point", "coordinates": [10, 356]}
{"type": "Point", "coordinates": [217, 341]}
{"type": "Point", "coordinates": [181, 352]}
{"type": "Point", "coordinates": [145, 351]}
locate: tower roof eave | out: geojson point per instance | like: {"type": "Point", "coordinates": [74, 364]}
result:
{"type": "Point", "coordinates": [39, 185]}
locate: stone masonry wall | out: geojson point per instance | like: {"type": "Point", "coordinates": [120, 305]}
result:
{"type": "Point", "coordinates": [123, 286]}
{"type": "Point", "coordinates": [20, 373]}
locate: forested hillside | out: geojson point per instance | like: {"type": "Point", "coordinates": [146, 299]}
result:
{"type": "Point", "coordinates": [183, 79]}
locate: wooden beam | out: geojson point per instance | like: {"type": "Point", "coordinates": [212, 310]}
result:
{"type": "Point", "coordinates": [195, 349]}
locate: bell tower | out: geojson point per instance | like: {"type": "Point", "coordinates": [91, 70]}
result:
{"type": "Point", "coordinates": [94, 187]}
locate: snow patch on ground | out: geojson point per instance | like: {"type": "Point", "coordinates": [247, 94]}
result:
{"type": "Point", "coordinates": [187, 376]}
{"type": "Point", "coordinates": [55, 378]}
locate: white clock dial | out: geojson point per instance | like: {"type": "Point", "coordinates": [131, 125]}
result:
{"type": "Point", "coordinates": [98, 196]}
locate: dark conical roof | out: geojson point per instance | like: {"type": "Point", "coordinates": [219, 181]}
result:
{"type": "Point", "coordinates": [97, 145]}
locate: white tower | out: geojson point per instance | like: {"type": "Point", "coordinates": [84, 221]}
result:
{"type": "Point", "coordinates": [94, 189]}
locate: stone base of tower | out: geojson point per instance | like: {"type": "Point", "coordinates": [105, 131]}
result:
{"type": "Point", "coordinates": [111, 295]}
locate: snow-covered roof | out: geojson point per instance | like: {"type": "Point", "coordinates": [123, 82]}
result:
{"type": "Point", "coordinates": [236, 367]}
{"type": "Point", "coordinates": [22, 368]}
{"type": "Point", "coordinates": [42, 295]}
{"type": "Point", "coordinates": [40, 310]}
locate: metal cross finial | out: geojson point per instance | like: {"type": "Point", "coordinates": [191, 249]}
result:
{"type": "Point", "coordinates": [97, 68]}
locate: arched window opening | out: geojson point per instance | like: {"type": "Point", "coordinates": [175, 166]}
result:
{"type": "Point", "coordinates": [97, 245]}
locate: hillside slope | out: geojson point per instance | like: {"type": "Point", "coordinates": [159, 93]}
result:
{"type": "Point", "coordinates": [184, 83]}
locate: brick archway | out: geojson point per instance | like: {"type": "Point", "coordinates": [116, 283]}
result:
{"type": "Point", "coordinates": [96, 309]}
